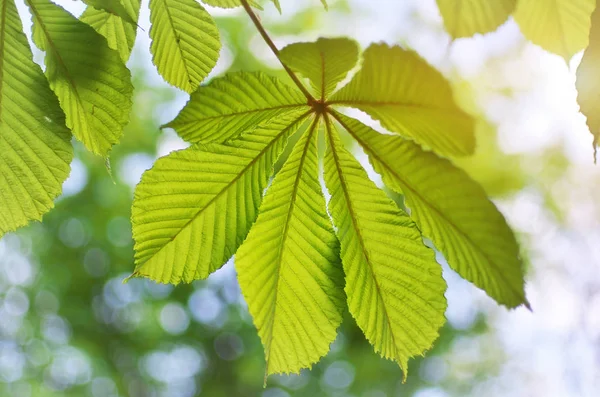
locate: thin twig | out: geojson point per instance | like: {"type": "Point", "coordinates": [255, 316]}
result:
{"type": "Point", "coordinates": [267, 39]}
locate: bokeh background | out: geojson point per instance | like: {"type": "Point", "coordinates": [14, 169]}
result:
{"type": "Point", "coordinates": [70, 327]}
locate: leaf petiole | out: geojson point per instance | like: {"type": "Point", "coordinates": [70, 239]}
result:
{"type": "Point", "coordinates": [311, 100]}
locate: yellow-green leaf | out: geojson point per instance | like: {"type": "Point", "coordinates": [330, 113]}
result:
{"type": "Point", "coordinates": [119, 34]}
{"type": "Point", "coordinates": [185, 42]}
{"type": "Point", "coordinates": [394, 286]}
{"type": "Point", "coordinates": [194, 208]}
{"type": "Point", "coordinates": [558, 26]}
{"type": "Point", "coordinates": [588, 79]}
{"type": "Point", "coordinates": [464, 18]}
{"type": "Point", "coordinates": [450, 209]}
{"type": "Point", "coordinates": [234, 104]}
{"type": "Point", "coordinates": [289, 268]}
{"type": "Point", "coordinates": [235, 3]}
{"type": "Point", "coordinates": [91, 82]}
{"type": "Point", "coordinates": [411, 98]}
{"type": "Point", "coordinates": [325, 62]}
{"type": "Point", "coordinates": [35, 144]}
{"type": "Point", "coordinates": [114, 7]}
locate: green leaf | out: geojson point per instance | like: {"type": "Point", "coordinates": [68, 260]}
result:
{"type": "Point", "coordinates": [114, 7]}
{"type": "Point", "coordinates": [185, 42]}
{"type": "Point", "coordinates": [450, 209]}
{"type": "Point", "coordinates": [558, 26]}
{"type": "Point", "coordinates": [289, 268]}
{"type": "Point", "coordinates": [411, 98]}
{"type": "Point", "coordinates": [235, 3]}
{"type": "Point", "coordinates": [588, 83]}
{"type": "Point", "coordinates": [91, 82]}
{"type": "Point", "coordinates": [325, 62]}
{"type": "Point", "coordinates": [394, 286]}
{"type": "Point", "coordinates": [35, 148]}
{"type": "Point", "coordinates": [119, 34]}
{"type": "Point", "coordinates": [464, 18]}
{"type": "Point", "coordinates": [233, 104]}
{"type": "Point", "coordinates": [194, 208]}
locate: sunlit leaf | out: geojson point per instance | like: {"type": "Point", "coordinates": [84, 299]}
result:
{"type": "Point", "coordinates": [450, 209]}
{"type": "Point", "coordinates": [464, 18]}
{"type": "Point", "coordinates": [114, 7]}
{"type": "Point", "coordinates": [91, 82]}
{"type": "Point", "coordinates": [289, 268]}
{"type": "Point", "coordinates": [325, 62]}
{"type": "Point", "coordinates": [185, 42]}
{"type": "Point", "coordinates": [194, 208]}
{"type": "Point", "coordinates": [409, 97]}
{"type": "Point", "coordinates": [394, 286]}
{"type": "Point", "coordinates": [233, 104]}
{"type": "Point", "coordinates": [35, 148]}
{"type": "Point", "coordinates": [588, 79]}
{"type": "Point", "coordinates": [235, 3]}
{"type": "Point", "coordinates": [119, 33]}
{"type": "Point", "coordinates": [558, 26]}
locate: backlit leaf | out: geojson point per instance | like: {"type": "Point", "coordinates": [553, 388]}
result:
{"type": "Point", "coordinates": [464, 18]}
{"type": "Point", "coordinates": [325, 62]}
{"type": "Point", "coordinates": [588, 81]}
{"type": "Point", "coordinates": [289, 268]}
{"type": "Point", "coordinates": [558, 26]}
{"type": "Point", "coordinates": [194, 208]}
{"type": "Point", "coordinates": [409, 97]}
{"type": "Point", "coordinates": [119, 34]}
{"type": "Point", "coordinates": [450, 209]}
{"type": "Point", "coordinates": [35, 148]}
{"type": "Point", "coordinates": [185, 42]}
{"type": "Point", "coordinates": [114, 7]}
{"type": "Point", "coordinates": [235, 3]}
{"type": "Point", "coordinates": [394, 286]}
{"type": "Point", "coordinates": [91, 82]}
{"type": "Point", "coordinates": [233, 104]}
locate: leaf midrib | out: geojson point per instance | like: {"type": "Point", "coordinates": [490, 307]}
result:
{"type": "Point", "coordinates": [229, 185]}
{"type": "Point", "coordinates": [285, 233]}
{"type": "Point", "coordinates": [174, 124]}
{"type": "Point", "coordinates": [177, 41]}
{"type": "Point", "coordinates": [358, 233]}
{"type": "Point", "coordinates": [61, 62]}
{"type": "Point", "coordinates": [375, 103]}
{"type": "Point", "coordinates": [433, 207]}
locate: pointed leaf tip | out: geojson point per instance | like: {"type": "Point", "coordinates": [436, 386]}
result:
{"type": "Point", "coordinates": [185, 42]}
{"type": "Point", "coordinates": [451, 210]}
{"type": "Point", "coordinates": [394, 286]}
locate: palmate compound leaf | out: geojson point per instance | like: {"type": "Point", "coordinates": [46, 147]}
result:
{"type": "Point", "coordinates": [394, 286]}
{"type": "Point", "coordinates": [119, 33]}
{"type": "Point", "coordinates": [409, 97]}
{"type": "Point", "coordinates": [588, 81]}
{"type": "Point", "coordinates": [558, 26]}
{"type": "Point", "coordinates": [35, 148]}
{"type": "Point", "coordinates": [114, 7]}
{"type": "Point", "coordinates": [233, 104]}
{"type": "Point", "coordinates": [89, 78]}
{"type": "Point", "coordinates": [289, 268]}
{"type": "Point", "coordinates": [185, 42]}
{"type": "Point", "coordinates": [325, 62]}
{"type": "Point", "coordinates": [464, 18]}
{"type": "Point", "coordinates": [450, 209]}
{"type": "Point", "coordinates": [194, 208]}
